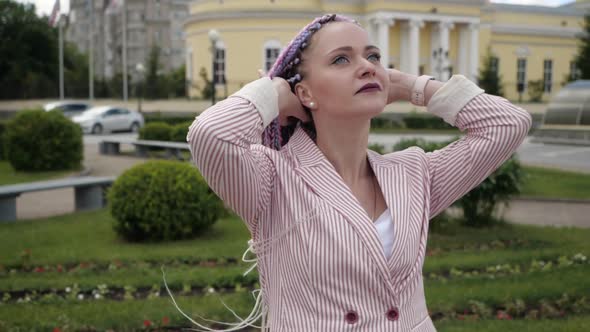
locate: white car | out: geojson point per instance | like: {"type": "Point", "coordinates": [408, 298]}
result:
{"type": "Point", "coordinates": [68, 108]}
{"type": "Point", "coordinates": [101, 119]}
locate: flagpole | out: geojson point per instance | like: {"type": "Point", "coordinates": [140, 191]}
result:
{"type": "Point", "coordinates": [91, 56]}
{"type": "Point", "coordinates": [125, 51]}
{"type": "Point", "coordinates": [61, 59]}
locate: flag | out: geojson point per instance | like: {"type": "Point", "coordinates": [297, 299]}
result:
{"type": "Point", "coordinates": [54, 18]}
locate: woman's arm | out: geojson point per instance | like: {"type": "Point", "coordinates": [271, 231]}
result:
{"type": "Point", "coordinates": [225, 145]}
{"type": "Point", "coordinates": [495, 128]}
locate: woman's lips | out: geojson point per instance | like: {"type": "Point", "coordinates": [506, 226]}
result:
{"type": "Point", "coordinates": [369, 90]}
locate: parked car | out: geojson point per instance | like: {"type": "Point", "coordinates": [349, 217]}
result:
{"type": "Point", "coordinates": [68, 108]}
{"type": "Point", "coordinates": [101, 119]}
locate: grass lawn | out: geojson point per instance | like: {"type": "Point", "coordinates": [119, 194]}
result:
{"type": "Point", "coordinates": [552, 183]}
{"type": "Point", "coordinates": [9, 176]}
{"type": "Point", "coordinates": [87, 248]}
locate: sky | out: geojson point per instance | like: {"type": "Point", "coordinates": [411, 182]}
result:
{"type": "Point", "coordinates": [44, 6]}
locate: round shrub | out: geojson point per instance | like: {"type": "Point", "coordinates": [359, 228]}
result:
{"type": "Point", "coordinates": [157, 131]}
{"type": "Point", "coordinates": [163, 200]}
{"type": "Point", "coordinates": [179, 132]}
{"type": "Point", "coordinates": [35, 140]}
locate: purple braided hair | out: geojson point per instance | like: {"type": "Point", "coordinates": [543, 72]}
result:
{"type": "Point", "coordinates": [287, 67]}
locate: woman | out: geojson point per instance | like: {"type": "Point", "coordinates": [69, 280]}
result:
{"type": "Point", "coordinates": [340, 231]}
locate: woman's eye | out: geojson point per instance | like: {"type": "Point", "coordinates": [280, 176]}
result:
{"type": "Point", "coordinates": [377, 56]}
{"type": "Point", "coordinates": [337, 60]}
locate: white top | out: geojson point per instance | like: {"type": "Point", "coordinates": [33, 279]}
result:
{"type": "Point", "coordinates": [384, 225]}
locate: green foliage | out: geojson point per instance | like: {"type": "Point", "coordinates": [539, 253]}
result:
{"type": "Point", "coordinates": [424, 121]}
{"type": "Point", "coordinates": [207, 89]}
{"type": "Point", "coordinates": [384, 123]}
{"type": "Point", "coordinates": [2, 128]}
{"type": "Point", "coordinates": [36, 140]}
{"type": "Point", "coordinates": [489, 79]}
{"type": "Point", "coordinates": [379, 148]}
{"type": "Point", "coordinates": [163, 200]}
{"type": "Point", "coordinates": [171, 120]}
{"type": "Point", "coordinates": [480, 203]}
{"type": "Point", "coordinates": [179, 132]}
{"type": "Point", "coordinates": [157, 131]}
{"type": "Point", "coordinates": [152, 79]}
{"type": "Point", "coordinates": [535, 90]}
{"type": "Point", "coordinates": [583, 56]}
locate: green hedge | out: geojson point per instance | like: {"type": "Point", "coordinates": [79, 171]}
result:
{"type": "Point", "coordinates": [157, 131]}
{"type": "Point", "coordinates": [171, 120]}
{"type": "Point", "coordinates": [35, 140]}
{"type": "Point", "coordinates": [163, 200]}
{"type": "Point", "coordinates": [424, 121]}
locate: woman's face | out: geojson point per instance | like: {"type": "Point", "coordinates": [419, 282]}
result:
{"type": "Point", "coordinates": [336, 65]}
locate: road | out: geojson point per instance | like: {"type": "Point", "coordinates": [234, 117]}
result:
{"type": "Point", "coordinates": [574, 158]}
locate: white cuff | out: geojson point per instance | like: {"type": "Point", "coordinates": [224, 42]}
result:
{"type": "Point", "coordinates": [452, 97]}
{"type": "Point", "coordinates": [264, 96]}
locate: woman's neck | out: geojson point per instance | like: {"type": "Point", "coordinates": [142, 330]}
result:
{"type": "Point", "coordinates": [344, 143]}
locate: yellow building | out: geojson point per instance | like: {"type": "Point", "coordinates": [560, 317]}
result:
{"type": "Point", "coordinates": [438, 38]}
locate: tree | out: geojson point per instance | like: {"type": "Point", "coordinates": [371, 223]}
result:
{"type": "Point", "coordinates": [489, 79]}
{"type": "Point", "coordinates": [583, 57]}
{"type": "Point", "coordinates": [153, 82]}
{"type": "Point", "coordinates": [28, 53]}
{"type": "Point", "coordinates": [535, 90]}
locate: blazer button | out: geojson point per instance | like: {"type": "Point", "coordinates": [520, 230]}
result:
{"type": "Point", "coordinates": [351, 317]}
{"type": "Point", "coordinates": [392, 314]}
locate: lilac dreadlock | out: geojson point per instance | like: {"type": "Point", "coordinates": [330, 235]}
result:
{"type": "Point", "coordinates": [287, 66]}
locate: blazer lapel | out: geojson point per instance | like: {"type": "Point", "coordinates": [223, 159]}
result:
{"type": "Point", "coordinates": [321, 177]}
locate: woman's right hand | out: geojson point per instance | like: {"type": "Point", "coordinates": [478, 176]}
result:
{"type": "Point", "coordinates": [290, 107]}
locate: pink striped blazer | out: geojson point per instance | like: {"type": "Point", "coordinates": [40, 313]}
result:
{"type": "Point", "coordinates": [320, 260]}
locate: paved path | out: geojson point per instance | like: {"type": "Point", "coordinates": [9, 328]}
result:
{"type": "Point", "coordinates": [55, 202]}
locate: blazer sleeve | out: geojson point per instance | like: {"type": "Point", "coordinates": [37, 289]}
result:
{"type": "Point", "coordinates": [225, 142]}
{"type": "Point", "coordinates": [495, 128]}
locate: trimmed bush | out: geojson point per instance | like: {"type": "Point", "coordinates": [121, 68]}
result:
{"type": "Point", "coordinates": [480, 204]}
{"type": "Point", "coordinates": [157, 131]}
{"type": "Point", "coordinates": [179, 132]}
{"type": "Point", "coordinates": [36, 140]}
{"type": "Point", "coordinates": [163, 200]}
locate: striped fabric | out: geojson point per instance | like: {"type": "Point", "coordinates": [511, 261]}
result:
{"type": "Point", "coordinates": [320, 260]}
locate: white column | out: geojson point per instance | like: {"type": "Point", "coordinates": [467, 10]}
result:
{"type": "Point", "coordinates": [444, 28]}
{"type": "Point", "coordinates": [463, 58]}
{"type": "Point", "coordinates": [414, 45]}
{"type": "Point", "coordinates": [404, 49]}
{"type": "Point", "coordinates": [383, 23]}
{"type": "Point", "coordinates": [474, 52]}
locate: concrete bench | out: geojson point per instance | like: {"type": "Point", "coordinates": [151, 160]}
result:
{"type": "Point", "coordinates": [173, 149]}
{"type": "Point", "coordinates": [88, 193]}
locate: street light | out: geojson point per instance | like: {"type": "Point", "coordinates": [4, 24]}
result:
{"type": "Point", "coordinates": [213, 37]}
{"type": "Point", "coordinates": [140, 70]}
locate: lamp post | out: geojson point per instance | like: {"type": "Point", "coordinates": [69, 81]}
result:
{"type": "Point", "coordinates": [140, 70]}
{"type": "Point", "coordinates": [213, 37]}
{"type": "Point", "coordinates": [441, 57]}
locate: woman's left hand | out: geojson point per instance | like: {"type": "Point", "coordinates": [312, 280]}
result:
{"type": "Point", "coordinates": [400, 85]}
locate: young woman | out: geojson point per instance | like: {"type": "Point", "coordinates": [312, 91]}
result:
{"type": "Point", "coordinates": [340, 231]}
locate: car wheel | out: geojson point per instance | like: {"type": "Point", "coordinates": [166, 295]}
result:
{"type": "Point", "coordinates": [134, 127]}
{"type": "Point", "coordinates": [97, 129]}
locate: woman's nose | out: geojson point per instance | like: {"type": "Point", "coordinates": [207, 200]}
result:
{"type": "Point", "coordinates": [367, 68]}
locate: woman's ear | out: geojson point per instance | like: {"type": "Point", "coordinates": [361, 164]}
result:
{"type": "Point", "coordinates": [303, 92]}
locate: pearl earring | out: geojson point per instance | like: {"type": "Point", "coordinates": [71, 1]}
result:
{"type": "Point", "coordinates": [311, 104]}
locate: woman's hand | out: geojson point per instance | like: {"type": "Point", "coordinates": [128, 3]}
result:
{"type": "Point", "coordinates": [290, 107]}
{"type": "Point", "coordinates": [400, 85]}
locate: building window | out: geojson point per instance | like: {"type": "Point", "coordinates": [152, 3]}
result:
{"type": "Point", "coordinates": [421, 70]}
{"type": "Point", "coordinates": [547, 75]}
{"type": "Point", "coordinates": [520, 75]}
{"type": "Point", "coordinates": [272, 49]}
{"type": "Point", "coordinates": [574, 71]}
{"type": "Point", "coordinates": [219, 64]}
